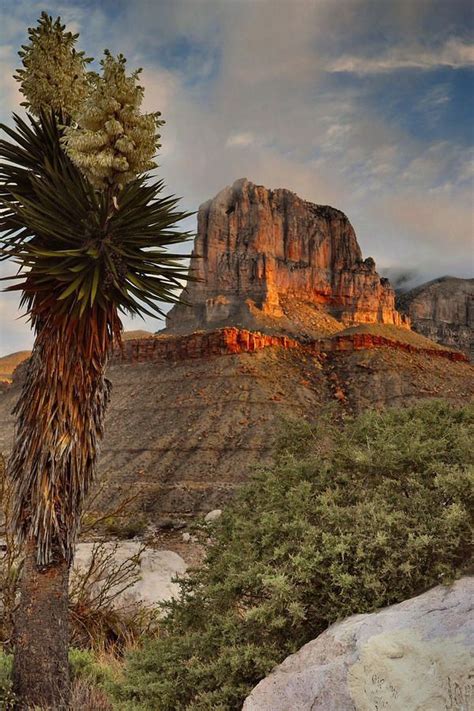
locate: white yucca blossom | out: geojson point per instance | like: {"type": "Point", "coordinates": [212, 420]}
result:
{"type": "Point", "coordinates": [54, 76]}
{"type": "Point", "coordinates": [112, 142]}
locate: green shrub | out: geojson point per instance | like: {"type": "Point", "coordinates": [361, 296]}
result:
{"type": "Point", "coordinates": [344, 521]}
{"type": "Point", "coordinates": [125, 527]}
{"type": "Point", "coordinates": [88, 666]}
{"type": "Point", "coordinates": [7, 697]}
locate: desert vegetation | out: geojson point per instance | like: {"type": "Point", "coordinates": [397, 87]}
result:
{"type": "Point", "coordinates": [347, 519]}
{"type": "Point", "coordinates": [89, 231]}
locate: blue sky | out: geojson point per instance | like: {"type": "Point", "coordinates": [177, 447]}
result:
{"type": "Point", "coordinates": [366, 105]}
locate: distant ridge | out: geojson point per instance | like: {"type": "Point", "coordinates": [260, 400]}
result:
{"type": "Point", "coordinates": [9, 362]}
{"type": "Point", "coordinates": [443, 310]}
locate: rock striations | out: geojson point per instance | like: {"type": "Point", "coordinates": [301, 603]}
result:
{"type": "Point", "coordinates": [286, 320]}
{"type": "Point", "coordinates": [443, 310]}
{"type": "Point", "coordinates": [258, 251]}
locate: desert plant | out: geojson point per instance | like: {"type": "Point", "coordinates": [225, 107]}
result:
{"type": "Point", "coordinates": [101, 615]}
{"type": "Point", "coordinates": [125, 527]}
{"type": "Point", "coordinates": [10, 561]}
{"type": "Point", "coordinates": [344, 521]}
{"type": "Point", "coordinates": [89, 231]}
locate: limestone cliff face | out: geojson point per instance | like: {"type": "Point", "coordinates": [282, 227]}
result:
{"type": "Point", "coordinates": [257, 249]}
{"type": "Point", "coordinates": [443, 310]}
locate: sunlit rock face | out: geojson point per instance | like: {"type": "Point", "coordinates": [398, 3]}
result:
{"type": "Point", "coordinates": [256, 249]}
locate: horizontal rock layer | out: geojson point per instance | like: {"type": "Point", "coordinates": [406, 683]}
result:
{"type": "Point", "coordinates": [227, 341]}
{"type": "Point", "coordinates": [256, 247]}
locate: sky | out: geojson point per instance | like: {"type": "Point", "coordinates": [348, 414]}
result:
{"type": "Point", "coordinates": [365, 105]}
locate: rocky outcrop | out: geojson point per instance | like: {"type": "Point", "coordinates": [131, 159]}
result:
{"type": "Point", "coordinates": [443, 310]}
{"type": "Point", "coordinates": [415, 656]}
{"type": "Point", "coordinates": [182, 434]}
{"type": "Point", "coordinates": [257, 250]}
{"type": "Point", "coordinates": [230, 340]}
{"type": "Point", "coordinates": [367, 341]}
{"type": "Point", "coordinates": [201, 344]}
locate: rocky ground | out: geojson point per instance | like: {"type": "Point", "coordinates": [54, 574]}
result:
{"type": "Point", "coordinates": [183, 433]}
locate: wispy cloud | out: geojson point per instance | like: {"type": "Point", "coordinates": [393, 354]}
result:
{"type": "Point", "coordinates": [240, 139]}
{"type": "Point", "coordinates": [454, 54]}
{"type": "Point", "coordinates": [272, 91]}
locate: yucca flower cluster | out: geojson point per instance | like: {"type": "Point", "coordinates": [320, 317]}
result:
{"type": "Point", "coordinates": [113, 142]}
{"type": "Point", "coordinates": [54, 76]}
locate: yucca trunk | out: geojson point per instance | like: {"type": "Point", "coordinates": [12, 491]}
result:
{"type": "Point", "coordinates": [60, 416]}
{"type": "Point", "coordinates": [41, 667]}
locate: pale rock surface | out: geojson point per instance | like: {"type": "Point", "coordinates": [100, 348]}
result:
{"type": "Point", "coordinates": [258, 251]}
{"type": "Point", "coordinates": [157, 569]}
{"type": "Point", "coordinates": [414, 656]}
{"type": "Point", "coordinates": [443, 310]}
{"type": "Point", "coordinates": [213, 515]}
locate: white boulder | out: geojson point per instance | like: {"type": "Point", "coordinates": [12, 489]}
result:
{"type": "Point", "coordinates": [213, 515]}
{"type": "Point", "coordinates": [414, 656]}
{"type": "Point", "coordinates": [157, 569]}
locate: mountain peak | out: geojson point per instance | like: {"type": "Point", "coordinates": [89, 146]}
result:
{"type": "Point", "coordinates": [260, 254]}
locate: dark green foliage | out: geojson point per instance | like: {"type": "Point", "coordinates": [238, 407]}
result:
{"type": "Point", "coordinates": [345, 521]}
{"type": "Point", "coordinates": [75, 244]}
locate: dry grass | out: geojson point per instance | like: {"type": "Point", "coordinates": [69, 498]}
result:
{"type": "Point", "coordinates": [85, 697]}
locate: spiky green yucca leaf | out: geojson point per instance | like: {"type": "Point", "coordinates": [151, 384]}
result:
{"type": "Point", "coordinates": [82, 254]}
{"type": "Point", "coordinates": [75, 244]}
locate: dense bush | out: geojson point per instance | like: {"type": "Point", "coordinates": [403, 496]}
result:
{"type": "Point", "coordinates": [345, 520]}
{"type": "Point", "coordinates": [125, 526]}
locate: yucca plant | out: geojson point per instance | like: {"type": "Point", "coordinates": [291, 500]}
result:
{"type": "Point", "coordinates": [89, 231]}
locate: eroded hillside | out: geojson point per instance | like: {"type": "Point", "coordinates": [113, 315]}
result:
{"type": "Point", "coordinates": [287, 319]}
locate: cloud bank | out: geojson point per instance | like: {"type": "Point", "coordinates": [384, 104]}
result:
{"type": "Point", "coordinates": [360, 104]}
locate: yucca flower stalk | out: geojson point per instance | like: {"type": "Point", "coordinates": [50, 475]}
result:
{"type": "Point", "coordinates": [90, 232]}
{"type": "Point", "coordinates": [113, 141]}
